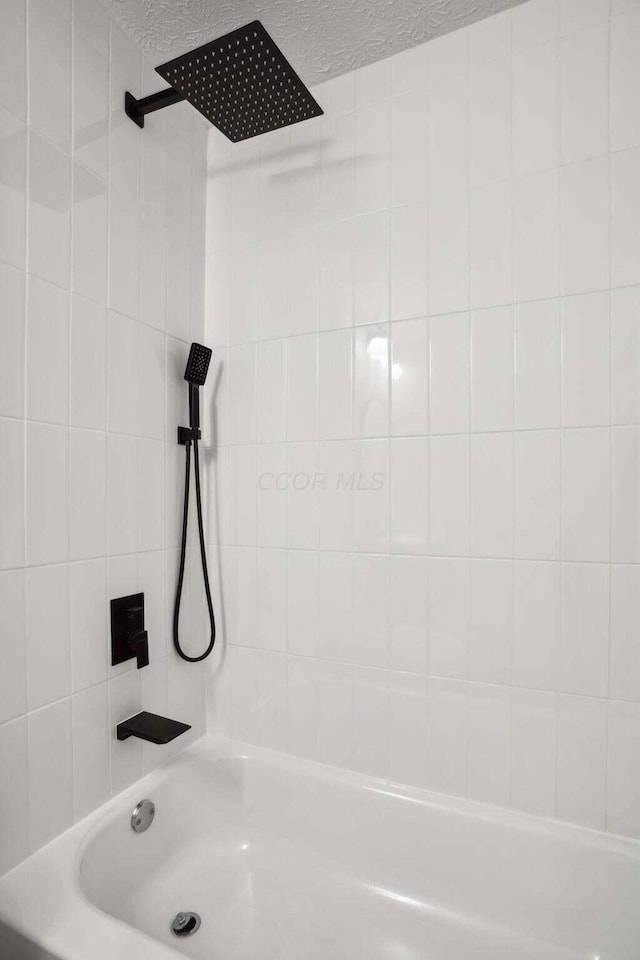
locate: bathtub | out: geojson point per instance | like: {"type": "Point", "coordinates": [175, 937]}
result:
{"type": "Point", "coordinates": [287, 859]}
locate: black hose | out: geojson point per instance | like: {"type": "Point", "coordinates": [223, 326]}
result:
{"type": "Point", "coordinates": [203, 555]}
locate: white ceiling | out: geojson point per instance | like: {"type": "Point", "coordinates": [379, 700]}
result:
{"type": "Point", "coordinates": [321, 38]}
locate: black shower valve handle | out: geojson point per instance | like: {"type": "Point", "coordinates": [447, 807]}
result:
{"type": "Point", "coordinates": [140, 647]}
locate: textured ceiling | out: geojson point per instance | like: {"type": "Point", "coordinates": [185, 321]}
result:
{"type": "Point", "coordinates": [321, 38]}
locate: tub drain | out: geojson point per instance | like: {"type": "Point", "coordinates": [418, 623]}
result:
{"type": "Point", "coordinates": [185, 924]}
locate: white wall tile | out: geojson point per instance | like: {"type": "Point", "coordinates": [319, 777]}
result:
{"type": "Point", "coordinates": [625, 356]}
{"type": "Point", "coordinates": [537, 362]}
{"type": "Point", "coordinates": [490, 112]}
{"type": "Point", "coordinates": [48, 635]}
{"type": "Point", "coordinates": [449, 617]}
{"type": "Point", "coordinates": [624, 680]}
{"type": "Point", "coordinates": [448, 254]}
{"type": "Point", "coordinates": [407, 712]}
{"type": "Point", "coordinates": [46, 493]}
{"type": "Point", "coordinates": [536, 660]}
{"type": "Point", "coordinates": [623, 737]}
{"type": "Point", "coordinates": [14, 791]}
{"type": "Point", "coordinates": [335, 496]}
{"type": "Point", "coordinates": [126, 755]}
{"type": "Point", "coordinates": [50, 773]}
{"type": "Point", "coordinates": [272, 495]}
{"type": "Point", "coordinates": [409, 377]}
{"type": "Point", "coordinates": [47, 352]}
{"type": "Point", "coordinates": [272, 700]}
{"type": "Point", "coordinates": [302, 388]}
{"type": "Point", "coordinates": [88, 365]}
{"type": "Point", "coordinates": [150, 495]}
{"type": "Point", "coordinates": [90, 102]}
{"type": "Point", "coordinates": [89, 249]}
{"type": "Point", "coordinates": [302, 281]}
{"type": "Point", "coordinates": [371, 611]}
{"type": "Point", "coordinates": [12, 374]}
{"type": "Point", "coordinates": [448, 490]}
{"type": "Point", "coordinates": [335, 713]}
{"type": "Point", "coordinates": [490, 240]}
{"type": "Point", "coordinates": [535, 23]}
{"type": "Point", "coordinates": [409, 497]}
{"type": "Point", "coordinates": [13, 80]}
{"type": "Point", "coordinates": [584, 640]}
{"type": "Point", "coordinates": [271, 271]}
{"type": "Point", "coordinates": [334, 385]}
{"type": "Point", "coordinates": [88, 620]}
{"type": "Point", "coordinates": [13, 685]}
{"type": "Point", "coordinates": [534, 752]}
{"type": "Point", "coordinates": [409, 242]}
{"type": "Point", "coordinates": [371, 381]}
{"type": "Point", "coordinates": [87, 494]}
{"type": "Point", "coordinates": [50, 70]}
{"type": "Point", "coordinates": [373, 124]}
{"type": "Point", "coordinates": [151, 382]}
{"type": "Point", "coordinates": [585, 494]}
{"type": "Point", "coordinates": [124, 253]}
{"type": "Point", "coordinates": [91, 770]}
{"type": "Point", "coordinates": [371, 496]}
{"type": "Point", "coordinates": [49, 211]}
{"type": "Point", "coordinates": [335, 605]}
{"type": "Point", "coordinates": [581, 760]}
{"type": "Point", "coordinates": [492, 495]}
{"type": "Point", "coordinates": [409, 144]}
{"type": "Point", "coordinates": [303, 488]}
{"type": "Point", "coordinates": [585, 360]}
{"type": "Point", "coordinates": [13, 187]}
{"type": "Point", "coordinates": [371, 721]}
{"type": "Point", "coordinates": [302, 602]}
{"type": "Point", "coordinates": [535, 108]}
{"type": "Point", "coordinates": [625, 214]}
{"type": "Point", "coordinates": [584, 206]}
{"type": "Point", "coordinates": [12, 481]}
{"type": "Point", "coordinates": [244, 692]}
{"type": "Point", "coordinates": [584, 70]}
{"type": "Point", "coordinates": [625, 516]}
{"type": "Point", "coordinates": [492, 365]}
{"type": "Point", "coordinates": [576, 15]}
{"type": "Point", "coordinates": [625, 75]}
{"type": "Point", "coordinates": [371, 268]}
{"type": "Point", "coordinates": [242, 394]}
{"type": "Point", "coordinates": [271, 602]}
{"type": "Point", "coordinates": [447, 736]}
{"type": "Point", "coordinates": [537, 495]}
{"type": "Point", "coordinates": [409, 70]}
{"type": "Point", "coordinates": [448, 134]}
{"type": "Point", "coordinates": [491, 633]}
{"type": "Point", "coordinates": [536, 235]}
{"type": "Point", "coordinates": [302, 693]}
{"type": "Point", "coordinates": [489, 742]}
{"type": "Point", "coordinates": [122, 374]}
{"type": "Point", "coordinates": [450, 373]}
{"type": "Point", "coordinates": [122, 495]}
{"type": "Point", "coordinates": [271, 391]}
{"type": "Point", "coordinates": [408, 614]}
{"type": "Point", "coordinates": [336, 275]}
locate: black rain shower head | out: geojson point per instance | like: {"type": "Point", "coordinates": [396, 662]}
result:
{"type": "Point", "coordinates": [241, 82]}
{"type": "Point", "coordinates": [197, 364]}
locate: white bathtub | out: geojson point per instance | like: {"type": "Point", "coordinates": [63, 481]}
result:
{"type": "Point", "coordinates": [287, 860]}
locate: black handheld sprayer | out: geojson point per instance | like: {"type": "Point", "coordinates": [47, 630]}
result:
{"type": "Point", "coordinates": [195, 375]}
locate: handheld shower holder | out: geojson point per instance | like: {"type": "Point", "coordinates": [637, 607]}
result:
{"type": "Point", "coordinates": [186, 435]}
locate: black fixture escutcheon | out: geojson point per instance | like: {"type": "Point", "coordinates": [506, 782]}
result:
{"type": "Point", "coordinates": [151, 727]}
{"type": "Point", "coordinates": [128, 635]}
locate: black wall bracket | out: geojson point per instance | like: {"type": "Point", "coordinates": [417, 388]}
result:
{"type": "Point", "coordinates": [136, 110]}
{"type": "Point", "coordinates": [128, 636]}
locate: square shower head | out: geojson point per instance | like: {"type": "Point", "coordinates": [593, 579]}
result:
{"type": "Point", "coordinates": [242, 83]}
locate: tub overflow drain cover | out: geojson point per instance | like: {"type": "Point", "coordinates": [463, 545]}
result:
{"type": "Point", "coordinates": [185, 924]}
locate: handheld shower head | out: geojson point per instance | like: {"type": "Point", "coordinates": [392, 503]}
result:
{"type": "Point", "coordinates": [197, 365]}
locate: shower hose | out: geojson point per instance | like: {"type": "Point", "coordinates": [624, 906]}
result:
{"type": "Point", "coordinates": [183, 552]}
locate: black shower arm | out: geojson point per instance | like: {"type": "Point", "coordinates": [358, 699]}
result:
{"type": "Point", "coordinates": [137, 109]}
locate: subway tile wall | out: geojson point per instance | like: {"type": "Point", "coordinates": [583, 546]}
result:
{"type": "Point", "coordinates": [101, 286]}
{"type": "Point", "coordinates": [426, 423]}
